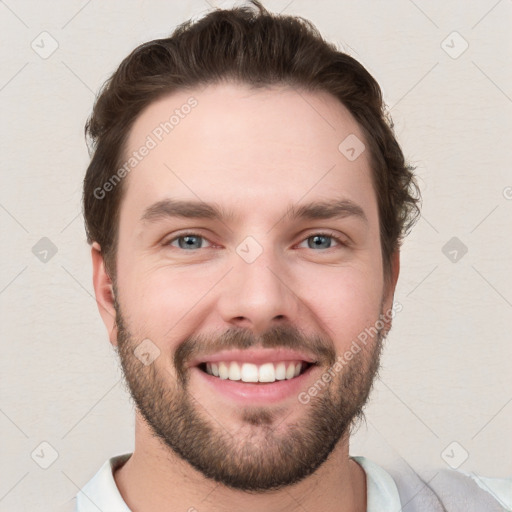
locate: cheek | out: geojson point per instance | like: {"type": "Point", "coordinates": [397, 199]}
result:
{"type": "Point", "coordinates": [346, 302]}
{"type": "Point", "coordinates": [163, 303]}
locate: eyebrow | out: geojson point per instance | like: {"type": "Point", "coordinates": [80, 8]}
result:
{"type": "Point", "coordinates": [185, 209]}
{"type": "Point", "coordinates": [189, 209]}
{"type": "Point", "coordinates": [332, 209]}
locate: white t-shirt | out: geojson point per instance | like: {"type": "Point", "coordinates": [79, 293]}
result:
{"type": "Point", "coordinates": [101, 492]}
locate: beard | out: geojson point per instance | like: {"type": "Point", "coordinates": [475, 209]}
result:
{"type": "Point", "coordinates": [257, 456]}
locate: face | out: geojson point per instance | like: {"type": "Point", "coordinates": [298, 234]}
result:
{"type": "Point", "coordinates": [248, 266]}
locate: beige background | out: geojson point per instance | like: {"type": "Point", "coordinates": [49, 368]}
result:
{"type": "Point", "coordinates": [446, 369]}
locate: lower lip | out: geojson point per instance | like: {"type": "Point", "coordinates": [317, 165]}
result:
{"type": "Point", "coordinates": [258, 393]}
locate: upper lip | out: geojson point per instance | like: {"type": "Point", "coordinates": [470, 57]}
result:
{"type": "Point", "coordinates": [254, 356]}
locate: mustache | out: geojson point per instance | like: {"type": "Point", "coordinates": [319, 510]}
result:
{"type": "Point", "coordinates": [282, 336]}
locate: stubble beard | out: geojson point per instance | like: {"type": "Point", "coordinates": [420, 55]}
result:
{"type": "Point", "coordinates": [265, 453]}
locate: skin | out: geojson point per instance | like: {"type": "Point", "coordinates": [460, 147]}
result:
{"type": "Point", "coordinates": [254, 152]}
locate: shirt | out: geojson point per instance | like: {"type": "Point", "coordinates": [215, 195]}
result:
{"type": "Point", "coordinates": [397, 490]}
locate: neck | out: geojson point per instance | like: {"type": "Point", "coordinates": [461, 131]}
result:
{"type": "Point", "coordinates": [155, 478]}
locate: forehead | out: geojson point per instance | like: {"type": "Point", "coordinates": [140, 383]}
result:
{"type": "Point", "coordinates": [232, 144]}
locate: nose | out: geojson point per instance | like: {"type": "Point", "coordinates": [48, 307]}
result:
{"type": "Point", "coordinates": [259, 295]}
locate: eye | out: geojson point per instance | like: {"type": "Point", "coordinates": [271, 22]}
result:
{"type": "Point", "coordinates": [187, 241]}
{"type": "Point", "coordinates": [322, 241]}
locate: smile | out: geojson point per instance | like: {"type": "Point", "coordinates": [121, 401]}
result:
{"type": "Point", "coordinates": [248, 372]}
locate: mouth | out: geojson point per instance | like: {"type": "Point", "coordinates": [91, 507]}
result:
{"type": "Point", "coordinates": [255, 376]}
{"type": "Point", "coordinates": [265, 373]}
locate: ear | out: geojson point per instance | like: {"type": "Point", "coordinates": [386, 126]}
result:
{"type": "Point", "coordinates": [388, 311]}
{"type": "Point", "coordinates": [104, 292]}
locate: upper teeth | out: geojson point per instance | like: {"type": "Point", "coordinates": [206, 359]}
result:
{"type": "Point", "coordinates": [248, 372]}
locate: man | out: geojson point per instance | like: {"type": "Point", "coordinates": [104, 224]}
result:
{"type": "Point", "coordinates": [245, 202]}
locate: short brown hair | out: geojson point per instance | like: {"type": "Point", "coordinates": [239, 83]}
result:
{"type": "Point", "coordinates": [260, 49]}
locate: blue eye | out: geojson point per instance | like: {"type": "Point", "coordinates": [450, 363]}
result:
{"type": "Point", "coordinates": [322, 241]}
{"type": "Point", "coordinates": [188, 241]}
{"type": "Point", "coordinates": [193, 241]}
